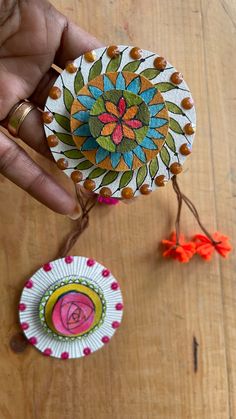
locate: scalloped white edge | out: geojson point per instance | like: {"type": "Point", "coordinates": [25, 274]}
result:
{"type": "Point", "coordinates": [42, 280]}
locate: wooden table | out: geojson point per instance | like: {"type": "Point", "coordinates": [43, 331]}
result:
{"type": "Point", "coordinates": [147, 371]}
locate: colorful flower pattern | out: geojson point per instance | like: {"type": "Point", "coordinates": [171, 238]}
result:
{"type": "Point", "coordinates": [119, 121]}
{"type": "Point", "coordinates": [123, 123]}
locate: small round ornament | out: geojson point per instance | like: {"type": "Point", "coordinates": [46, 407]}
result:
{"type": "Point", "coordinates": [69, 307]}
{"type": "Point", "coordinates": [120, 120]}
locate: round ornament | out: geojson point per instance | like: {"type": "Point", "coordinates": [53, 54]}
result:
{"type": "Point", "coordinates": [121, 119]}
{"type": "Point", "coordinates": [70, 307]}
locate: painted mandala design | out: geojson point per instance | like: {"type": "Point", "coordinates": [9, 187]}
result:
{"type": "Point", "coordinates": [119, 121]}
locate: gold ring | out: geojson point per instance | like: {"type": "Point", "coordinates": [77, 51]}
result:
{"type": "Point", "coordinates": [17, 115]}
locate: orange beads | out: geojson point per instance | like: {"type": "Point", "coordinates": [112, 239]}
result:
{"type": "Point", "coordinates": [160, 180]}
{"type": "Point", "coordinates": [176, 78]}
{"type": "Point", "coordinates": [47, 117]}
{"type": "Point", "coordinates": [62, 164]}
{"type": "Point", "coordinates": [136, 53]}
{"type": "Point", "coordinates": [90, 56]}
{"type": "Point", "coordinates": [160, 63]}
{"type": "Point", "coordinates": [55, 92]}
{"type": "Point", "coordinates": [105, 192]}
{"type": "Point", "coordinates": [187, 103]}
{"type": "Point", "coordinates": [89, 184]}
{"type": "Point", "coordinates": [189, 129]}
{"type": "Point", "coordinates": [145, 189]}
{"type": "Point", "coordinates": [113, 51]}
{"type": "Point", "coordinates": [176, 168]}
{"type": "Point", "coordinates": [71, 68]}
{"type": "Point", "coordinates": [185, 150]}
{"type": "Point", "coordinates": [127, 193]}
{"type": "Point", "coordinates": [52, 140]}
{"type": "Point", "coordinates": [76, 176]}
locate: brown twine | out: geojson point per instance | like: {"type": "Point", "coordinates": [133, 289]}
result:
{"type": "Point", "coordinates": [181, 197]}
{"type": "Point", "coordinates": [87, 204]}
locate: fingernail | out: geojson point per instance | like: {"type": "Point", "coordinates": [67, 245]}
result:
{"type": "Point", "coordinates": [76, 214]}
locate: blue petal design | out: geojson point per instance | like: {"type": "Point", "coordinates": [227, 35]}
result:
{"type": "Point", "coordinates": [115, 159]}
{"type": "Point", "coordinates": [128, 158]}
{"type": "Point", "coordinates": [157, 122]}
{"type": "Point", "coordinates": [87, 101]}
{"type": "Point", "coordinates": [108, 85]}
{"type": "Point", "coordinates": [120, 82]}
{"type": "Point", "coordinates": [134, 85]}
{"type": "Point", "coordinates": [148, 94]}
{"type": "Point", "coordinates": [81, 116]}
{"type": "Point", "coordinates": [155, 134]}
{"type": "Point", "coordinates": [83, 130]}
{"type": "Point", "coordinates": [95, 91]}
{"type": "Point", "coordinates": [89, 144]}
{"type": "Point", "coordinates": [101, 154]}
{"type": "Point", "coordinates": [138, 151]}
{"type": "Point", "coordinates": [148, 143]}
{"type": "Point", "coordinates": [154, 109]}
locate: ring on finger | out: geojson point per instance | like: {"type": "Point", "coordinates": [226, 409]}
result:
{"type": "Point", "coordinates": [17, 115]}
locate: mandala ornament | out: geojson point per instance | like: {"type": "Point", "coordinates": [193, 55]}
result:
{"type": "Point", "coordinates": [70, 307]}
{"type": "Point", "coordinates": [123, 121]}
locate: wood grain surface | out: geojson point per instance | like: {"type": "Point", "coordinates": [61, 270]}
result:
{"type": "Point", "coordinates": [147, 371]}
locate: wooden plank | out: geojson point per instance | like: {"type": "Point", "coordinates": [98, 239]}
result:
{"type": "Point", "coordinates": [147, 371]}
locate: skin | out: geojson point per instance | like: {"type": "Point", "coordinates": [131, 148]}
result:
{"type": "Point", "coordinates": [33, 36]}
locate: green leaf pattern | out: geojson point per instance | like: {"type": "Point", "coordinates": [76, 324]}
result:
{"type": "Point", "coordinates": [68, 98]}
{"type": "Point", "coordinates": [141, 175]}
{"type": "Point", "coordinates": [153, 167]}
{"type": "Point", "coordinates": [78, 82]}
{"type": "Point", "coordinates": [165, 156]}
{"type": "Point", "coordinates": [125, 179]}
{"type": "Point", "coordinates": [63, 121]}
{"type": "Point", "coordinates": [170, 142]}
{"type": "Point", "coordinates": [114, 64]}
{"type": "Point", "coordinates": [97, 172]}
{"type": "Point", "coordinates": [110, 177]}
{"type": "Point", "coordinates": [95, 70]}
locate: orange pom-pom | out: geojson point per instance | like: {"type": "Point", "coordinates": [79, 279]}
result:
{"type": "Point", "coordinates": [205, 247]}
{"type": "Point", "coordinates": [181, 250]}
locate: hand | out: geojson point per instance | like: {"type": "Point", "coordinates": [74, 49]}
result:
{"type": "Point", "coordinates": [33, 36]}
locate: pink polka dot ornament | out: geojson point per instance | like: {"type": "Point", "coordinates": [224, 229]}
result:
{"type": "Point", "coordinates": [70, 308]}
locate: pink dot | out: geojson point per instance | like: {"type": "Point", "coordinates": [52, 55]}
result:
{"type": "Point", "coordinates": [119, 306]}
{"type": "Point", "coordinates": [47, 267]}
{"type": "Point", "coordinates": [22, 307]}
{"type": "Point", "coordinates": [64, 355]}
{"type": "Point", "coordinates": [47, 352]}
{"type": "Point", "coordinates": [115, 325]}
{"type": "Point", "coordinates": [33, 340]}
{"type": "Point", "coordinates": [24, 326]}
{"type": "Point", "coordinates": [105, 339]}
{"type": "Point", "coordinates": [114, 286]}
{"type": "Point", "coordinates": [29, 284]}
{"type": "Point", "coordinates": [69, 259]}
{"type": "Point", "coordinates": [90, 262]}
{"type": "Point", "coordinates": [105, 273]}
{"type": "Point", "coordinates": [87, 351]}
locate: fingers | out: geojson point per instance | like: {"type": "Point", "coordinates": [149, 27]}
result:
{"type": "Point", "coordinates": [32, 133]}
{"type": "Point", "coordinates": [41, 92]}
{"type": "Point", "coordinates": [17, 166]}
{"type": "Point", "coordinates": [74, 42]}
